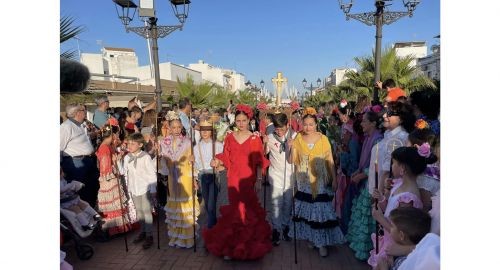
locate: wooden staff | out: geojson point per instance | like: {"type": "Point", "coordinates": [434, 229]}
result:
{"type": "Point", "coordinates": [214, 139]}
{"type": "Point", "coordinates": [293, 189]}
{"type": "Point", "coordinates": [157, 179]}
{"type": "Point", "coordinates": [192, 182]}
{"type": "Point", "coordinates": [120, 194]}
{"type": "Point", "coordinates": [376, 201]}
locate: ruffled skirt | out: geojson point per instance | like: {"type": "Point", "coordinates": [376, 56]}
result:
{"type": "Point", "coordinates": [112, 203]}
{"type": "Point", "coordinates": [361, 226]}
{"type": "Point", "coordinates": [241, 232]}
{"type": "Point", "coordinates": [180, 220]}
{"type": "Point", "coordinates": [316, 220]}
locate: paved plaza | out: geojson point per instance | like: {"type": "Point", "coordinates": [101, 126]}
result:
{"type": "Point", "coordinates": [112, 255]}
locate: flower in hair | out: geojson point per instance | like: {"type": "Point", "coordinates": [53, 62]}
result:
{"type": "Point", "coordinates": [112, 121]}
{"type": "Point", "coordinates": [171, 115]}
{"type": "Point", "coordinates": [246, 109]}
{"type": "Point", "coordinates": [421, 124]}
{"type": "Point", "coordinates": [295, 105]}
{"type": "Point", "coordinates": [376, 108]}
{"type": "Point", "coordinates": [343, 103]}
{"type": "Point", "coordinates": [262, 106]}
{"type": "Point", "coordinates": [310, 110]}
{"type": "Point", "coordinates": [424, 150]}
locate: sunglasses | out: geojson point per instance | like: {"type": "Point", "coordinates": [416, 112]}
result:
{"type": "Point", "coordinates": [392, 113]}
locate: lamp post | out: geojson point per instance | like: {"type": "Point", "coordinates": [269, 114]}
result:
{"type": "Point", "coordinates": [311, 88]}
{"type": "Point", "coordinates": [378, 18]}
{"type": "Point", "coordinates": [152, 30]}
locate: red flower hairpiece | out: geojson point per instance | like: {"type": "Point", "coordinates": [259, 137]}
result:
{"type": "Point", "coordinates": [246, 109]}
{"type": "Point", "coordinates": [112, 121]}
{"type": "Point", "coordinates": [295, 105]}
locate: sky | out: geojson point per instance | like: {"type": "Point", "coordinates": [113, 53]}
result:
{"type": "Point", "coordinates": [302, 39]}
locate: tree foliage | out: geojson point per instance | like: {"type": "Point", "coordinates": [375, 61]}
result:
{"type": "Point", "coordinates": [68, 31]}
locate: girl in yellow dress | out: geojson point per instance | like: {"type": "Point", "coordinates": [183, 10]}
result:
{"type": "Point", "coordinates": [176, 149]}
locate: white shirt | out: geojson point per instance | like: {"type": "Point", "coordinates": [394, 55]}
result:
{"type": "Point", "coordinates": [278, 160]}
{"type": "Point", "coordinates": [74, 140]}
{"type": "Point", "coordinates": [425, 256]}
{"type": "Point", "coordinates": [392, 139]}
{"type": "Point", "coordinates": [206, 154]}
{"type": "Point", "coordinates": [141, 177]}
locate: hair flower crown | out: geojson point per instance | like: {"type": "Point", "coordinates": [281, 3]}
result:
{"type": "Point", "coordinates": [171, 115]}
{"type": "Point", "coordinates": [246, 109]}
{"type": "Point", "coordinates": [424, 150]}
{"type": "Point", "coordinates": [310, 110]}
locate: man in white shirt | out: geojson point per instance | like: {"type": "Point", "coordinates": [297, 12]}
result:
{"type": "Point", "coordinates": [184, 112]}
{"type": "Point", "coordinates": [77, 153]}
{"type": "Point", "coordinates": [203, 155]}
{"type": "Point", "coordinates": [140, 173]}
{"type": "Point", "coordinates": [276, 145]}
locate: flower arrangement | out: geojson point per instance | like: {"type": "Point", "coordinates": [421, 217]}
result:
{"type": "Point", "coordinates": [310, 110]}
{"type": "Point", "coordinates": [246, 109]}
{"type": "Point", "coordinates": [421, 124]}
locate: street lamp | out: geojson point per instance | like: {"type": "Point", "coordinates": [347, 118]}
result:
{"type": "Point", "coordinates": [261, 89]}
{"type": "Point", "coordinates": [378, 18]}
{"type": "Point", "coordinates": [152, 30]}
{"type": "Point", "coordinates": [311, 88]}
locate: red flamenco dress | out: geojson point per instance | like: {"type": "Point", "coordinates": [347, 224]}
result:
{"type": "Point", "coordinates": [242, 231]}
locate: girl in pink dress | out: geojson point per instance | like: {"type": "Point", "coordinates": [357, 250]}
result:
{"type": "Point", "coordinates": [407, 164]}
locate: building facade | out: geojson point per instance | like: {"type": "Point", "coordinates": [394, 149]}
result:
{"type": "Point", "coordinates": [229, 79]}
{"type": "Point", "coordinates": [430, 65]}
{"type": "Point", "coordinates": [337, 76]}
{"type": "Point", "coordinates": [417, 49]}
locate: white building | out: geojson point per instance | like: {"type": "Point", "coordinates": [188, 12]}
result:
{"type": "Point", "coordinates": [430, 65]}
{"type": "Point", "coordinates": [417, 49]}
{"type": "Point", "coordinates": [226, 78]}
{"type": "Point", "coordinates": [124, 62]}
{"type": "Point", "coordinates": [337, 76]}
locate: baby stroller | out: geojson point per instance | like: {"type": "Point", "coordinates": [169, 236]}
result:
{"type": "Point", "coordinates": [71, 222]}
{"type": "Point", "coordinates": [70, 228]}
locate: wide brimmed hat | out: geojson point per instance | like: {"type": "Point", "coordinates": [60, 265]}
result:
{"type": "Point", "coordinates": [206, 125]}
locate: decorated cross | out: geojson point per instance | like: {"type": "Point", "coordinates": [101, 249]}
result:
{"type": "Point", "coordinates": [279, 84]}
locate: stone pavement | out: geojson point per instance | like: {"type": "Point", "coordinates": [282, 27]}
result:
{"type": "Point", "coordinates": [112, 255]}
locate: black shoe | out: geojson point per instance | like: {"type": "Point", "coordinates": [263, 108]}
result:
{"type": "Point", "coordinates": [285, 234]}
{"type": "Point", "coordinates": [276, 238]}
{"type": "Point", "coordinates": [148, 243]}
{"type": "Point", "coordinates": [139, 238]}
{"type": "Point", "coordinates": [97, 217]}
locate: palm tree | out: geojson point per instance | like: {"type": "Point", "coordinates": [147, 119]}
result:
{"type": "Point", "coordinates": [247, 97]}
{"type": "Point", "coordinates": [68, 31]}
{"type": "Point", "coordinates": [198, 94]}
{"type": "Point", "coordinates": [400, 69]}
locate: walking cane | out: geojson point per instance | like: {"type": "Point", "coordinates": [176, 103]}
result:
{"type": "Point", "coordinates": [192, 183]}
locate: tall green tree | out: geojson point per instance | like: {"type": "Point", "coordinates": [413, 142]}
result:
{"type": "Point", "coordinates": [400, 69]}
{"type": "Point", "coordinates": [68, 31]}
{"type": "Point", "coordinates": [198, 94]}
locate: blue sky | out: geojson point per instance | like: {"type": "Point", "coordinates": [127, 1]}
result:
{"type": "Point", "coordinates": [303, 39]}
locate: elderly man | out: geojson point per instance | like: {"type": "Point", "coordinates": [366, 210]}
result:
{"type": "Point", "coordinates": [77, 154]}
{"type": "Point", "coordinates": [101, 114]}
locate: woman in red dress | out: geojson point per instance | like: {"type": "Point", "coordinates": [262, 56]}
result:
{"type": "Point", "coordinates": [242, 231]}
